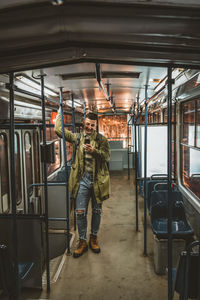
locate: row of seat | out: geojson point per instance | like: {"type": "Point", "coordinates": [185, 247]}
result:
{"type": "Point", "coordinates": [186, 276]}
{"type": "Point", "coordinates": [157, 203]}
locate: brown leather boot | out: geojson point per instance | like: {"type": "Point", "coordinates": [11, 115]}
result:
{"type": "Point", "coordinates": [82, 248]}
{"type": "Point", "coordinates": [93, 243]}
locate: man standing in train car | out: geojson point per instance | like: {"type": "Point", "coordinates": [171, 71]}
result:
{"type": "Point", "coordinates": [89, 177]}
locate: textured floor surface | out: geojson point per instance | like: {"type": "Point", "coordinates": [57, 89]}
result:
{"type": "Point", "coordinates": [120, 271]}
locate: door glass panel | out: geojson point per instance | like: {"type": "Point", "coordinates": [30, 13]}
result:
{"type": "Point", "coordinates": [36, 156]}
{"type": "Point", "coordinates": [18, 169]}
{"type": "Point", "coordinates": [28, 159]}
{"type": "Point", "coordinates": [156, 151]}
{"type": "Point", "coordinates": [4, 175]}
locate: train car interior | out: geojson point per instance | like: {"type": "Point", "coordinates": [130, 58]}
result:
{"type": "Point", "coordinates": [135, 64]}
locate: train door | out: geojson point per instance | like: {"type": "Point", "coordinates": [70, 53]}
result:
{"type": "Point", "coordinates": [5, 205]}
{"type": "Point", "coordinates": [28, 163]}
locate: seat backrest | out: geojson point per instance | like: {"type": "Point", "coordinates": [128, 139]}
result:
{"type": "Point", "coordinates": [158, 208]}
{"type": "Point", "coordinates": [163, 186]}
{"type": "Point", "coordinates": [160, 198]}
{"type": "Point", "coordinates": [150, 188]}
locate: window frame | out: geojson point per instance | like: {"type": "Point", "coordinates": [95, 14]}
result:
{"type": "Point", "coordinates": [182, 144]}
{"type": "Point", "coordinates": [4, 133]}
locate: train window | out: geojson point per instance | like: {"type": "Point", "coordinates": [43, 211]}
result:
{"type": "Point", "coordinates": [28, 159]}
{"type": "Point", "coordinates": [5, 194]}
{"type": "Point", "coordinates": [190, 154]}
{"type": "Point", "coordinates": [191, 169]}
{"type": "Point", "coordinates": [18, 170]}
{"type": "Point", "coordinates": [188, 128]}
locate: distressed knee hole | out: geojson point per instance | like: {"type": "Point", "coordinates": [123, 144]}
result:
{"type": "Point", "coordinates": [80, 213]}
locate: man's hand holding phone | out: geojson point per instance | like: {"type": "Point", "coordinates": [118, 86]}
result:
{"type": "Point", "coordinates": [87, 147]}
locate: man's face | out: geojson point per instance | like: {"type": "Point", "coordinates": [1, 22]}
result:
{"type": "Point", "coordinates": [89, 126]}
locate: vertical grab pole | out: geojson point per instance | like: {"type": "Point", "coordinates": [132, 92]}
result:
{"type": "Point", "coordinates": [136, 172]}
{"type": "Point", "coordinates": [65, 160]}
{"type": "Point", "coordinates": [13, 189]}
{"type": "Point", "coordinates": [73, 130]}
{"type": "Point", "coordinates": [128, 150]}
{"type": "Point", "coordinates": [169, 126]}
{"type": "Point", "coordinates": [84, 110]}
{"type": "Point", "coordinates": [45, 185]}
{"type": "Point", "coordinates": [145, 173]}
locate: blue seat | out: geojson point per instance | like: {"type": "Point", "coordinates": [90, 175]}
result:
{"type": "Point", "coordinates": [7, 276]}
{"type": "Point", "coordinates": [156, 178]}
{"type": "Point", "coordinates": [159, 215]}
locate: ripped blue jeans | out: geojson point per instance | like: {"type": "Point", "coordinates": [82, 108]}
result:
{"type": "Point", "coordinates": [86, 191]}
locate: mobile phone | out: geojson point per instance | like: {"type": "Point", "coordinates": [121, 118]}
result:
{"type": "Point", "coordinates": [87, 141]}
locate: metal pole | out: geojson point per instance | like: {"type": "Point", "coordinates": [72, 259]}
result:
{"type": "Point", "coordinates": [136, 169]}
{"type": "Point", "coordinates": [145, 173]}
{"type": "Point", "coordinates": [44, 166]}
{"type": "Point", "coordinates": [128, 150]}
{"type": "Point", "coordinates": [13, 185]}
{"type": "Point", "coordinates": [139, 140]}
{"type": "Point", "coordinates": [84, 110]}
{"type": "Point", "coordinates": [65, 160]}
{"type": "Point", "coordinates": [169, 124]}
{"type": "Point", "coordinates": [175, 158]}
{"type": "Point", "coordinates": [74, 130]}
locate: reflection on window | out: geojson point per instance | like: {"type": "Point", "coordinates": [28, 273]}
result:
{"type": "Point", "coordinates": [18, 170]}
{"type": "Point", "coordinates": [28, 159]}
{"type": "Point", "coordinates": [191, 169]}
{"type": "Point", "coordinates": [5, 195]}
{"type": "Point", "coordinates": [114, 128]}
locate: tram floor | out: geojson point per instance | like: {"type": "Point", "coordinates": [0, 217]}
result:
{"type": "Point", "coordinates": [120, 271]}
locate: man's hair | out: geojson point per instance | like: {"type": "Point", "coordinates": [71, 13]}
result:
{"type": "Point", "coordinates": [91, 116]}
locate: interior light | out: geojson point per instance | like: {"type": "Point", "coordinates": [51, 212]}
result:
{"type": "Point", "coordinates": [30, 84]}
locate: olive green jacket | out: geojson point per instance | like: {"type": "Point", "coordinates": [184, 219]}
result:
{"type": "Point", "coordinates": [100, 167]}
